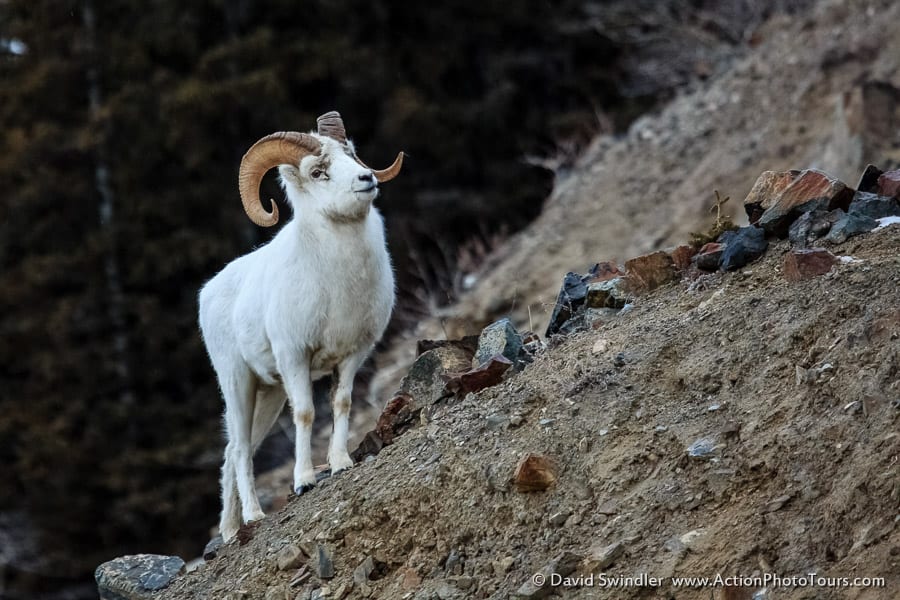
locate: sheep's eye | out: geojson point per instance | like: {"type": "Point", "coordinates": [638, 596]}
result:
{"type": "Point", "coordinates": [316, 173]}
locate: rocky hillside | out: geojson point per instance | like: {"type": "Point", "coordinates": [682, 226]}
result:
{"type": "Point", "coordinates": [701, 415]}
{"type": "Point", "coordinates": [740, 423]}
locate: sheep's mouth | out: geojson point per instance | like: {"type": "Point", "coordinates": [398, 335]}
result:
{"type": "Point", "coordinates": [367, 190]}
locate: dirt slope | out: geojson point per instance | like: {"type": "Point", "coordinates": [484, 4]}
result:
{"type": "Point", "coordinates": [803, 476]}
{"type": "Point", "coordinates": [803, 98]}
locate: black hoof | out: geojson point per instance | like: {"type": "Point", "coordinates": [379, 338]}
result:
{"type": "Point", "coordinates": [304, 488]}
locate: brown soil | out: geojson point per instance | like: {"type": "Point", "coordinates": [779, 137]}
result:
{"type": "Point", "coordinates": [804, 475]}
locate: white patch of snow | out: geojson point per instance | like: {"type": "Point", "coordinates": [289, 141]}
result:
{"type": "Point", "coordinates": [885, 221]}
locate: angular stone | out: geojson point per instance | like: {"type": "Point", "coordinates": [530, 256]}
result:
{"type": "Point", "coordinates": [682, 255]}
{"type": "Point", "coordinates": [868, 181]}
{"type": "Point", "coordinates": [397, 417]}
{"type": "Point", "coordinates": [211, 550]}
{"type": "Point", "coordinates": [769, 185]}
{"type": "Point", "coordinates": [136, 577]}
{"type": "Point", "coordinates": [650, 271]}
{"type": "Point", "coordinates": [742, 246]}
{"type": "Point", "coordinates": [425, 380]}
{"type": "Point", "coordinates": [812, 226]}
{"type": "Point", "coordinates": [570, 298]}
{"type": "Point", "coordinates": [534, 473]}
{"type": "Point", "coordinates": [370, 445]}
{"type": "Point", "coordinates": [363, 571]}
{"type": "Point", "coordinates": [475, 380]}
{"type": "Point", "coordinates": [710, 256]}
{"type": "Point", "coordinates": [563, 564]}
{"type": "Point", "coordinates": [811, 190]}
{"type": "Point", "coordinates": [607, 294]}
{"type": "Point", "coordinates": [324, 562]}
{"type": "Point", "coordinates": [805, 264]}
{"type": "Point", "coordinates": [277, 592]}
{"type": "Point", "coordinates": [601, 557]}
{"type": "Point", "coordinates": [874, 206]}
{"type": "Point", "coordinates": [849, 225]}
{"type": "Point", "coordinates": [602, 271]}
{"type": "Point", "coordinates": [889, 184]}
{"type": "Point", "coordinates": [500, 337]}
{"type": "Point", "coordinates": [289, 557]}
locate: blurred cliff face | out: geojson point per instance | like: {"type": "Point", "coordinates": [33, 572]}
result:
{"type": "Point", "coordinates": [123, 128]}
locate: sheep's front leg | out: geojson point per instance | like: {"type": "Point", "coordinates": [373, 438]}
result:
{"type": "Point", "coordinates": [338, 458]}
{"type": "Point", "coordinates": [297, 383]}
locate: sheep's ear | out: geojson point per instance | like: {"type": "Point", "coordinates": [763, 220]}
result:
{"type": "Point", "coordinates": [289, 174]}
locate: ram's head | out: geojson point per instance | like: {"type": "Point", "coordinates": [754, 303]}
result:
{"type": "Point", "coordinates": [323, 165]}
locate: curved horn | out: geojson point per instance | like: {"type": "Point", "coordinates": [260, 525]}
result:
{"type": "Point", "coordinates": [284, 147]}
{"type": "Point", "coordinates": [389, 173]}
{"type": "Point", "coordinates": [332, 125]}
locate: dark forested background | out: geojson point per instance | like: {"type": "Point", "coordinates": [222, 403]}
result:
{"type": "Point", "coordinates": [123, 124]}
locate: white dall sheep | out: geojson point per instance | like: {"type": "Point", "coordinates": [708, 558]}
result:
{"type": "Point", "coordinates": [311, 302]}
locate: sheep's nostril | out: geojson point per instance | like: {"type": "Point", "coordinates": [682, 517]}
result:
{"type": "Point", "coordinates": [367, 177]}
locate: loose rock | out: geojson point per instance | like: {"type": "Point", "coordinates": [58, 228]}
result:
{"type": "Point", "coordinates": [811, 190]}
{"type": "Point", "coordinates": [742, 246]}
{"type": "Point", "coordinates": [324, 562]}
{"type": "Point", "coordinates": [607, 294]}
{"type": "Point", "coordinates": [709, 257]}
{"type": "Point", "coordinates": [868, 181]}
{"type": "Point", "coordinates": [137, 576]}
{"type": "Point", "coordinates": [889, 184]}
{"type": "Point", "coordinates": [478, 379]}
{"type": "Point", "coordinates": [874, 206]}
{"type": "Point", "coordinates": [534, 473]}
{"type": "Point", "coordinates": [848, 226]}
{"type": "Point", "coordinates": [571, 297]}
{"type": "Point", "coordinates": [650, 271]}
{"type": "Point", "coordinates": [363, 571]}
{"type": "Point", "coordinates": [812, 225]}
{"type": "Point", "coordinates": [682, 255]}
{"type": "Point", "coordinates": [425, 380]}
{"type": "Point", "coordinates": [702, 448]}
{"type": "Point", "coordinates": [289, 557]}
{"type": "Point", "coordinates": [500, 338]}
{"type": "Point", "coordinates": [212, 548]}
{"type": "Point", "coordinates": [601, 557]}
{"type": "Point", "coordinates": [806, 264]}
{"type": "Point", "coordinates": [396, 418]}
{"type": "Point", "coordinates": [769, 185]}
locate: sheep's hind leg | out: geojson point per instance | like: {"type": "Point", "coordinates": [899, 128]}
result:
{"type": "Point", "coordinates": [298, 385]}
{"type": "Point", "coordinates": [240, 402]}
{"type": "Point", "coordinates": [338, 458]}
{"type": "Point", "coordinates": [230, 521]}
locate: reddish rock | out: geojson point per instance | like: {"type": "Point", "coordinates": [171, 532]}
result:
{"type": "Point", "coordinates": [534, 473]}
{"type": "Point", "coordinates": [603, 271]}
{"type": "Point", "coordinates": [650, 271]}
{"type": "Point", "coordinates": [682, 255]}
{"type": "Point", "coordinates": [710, 256]}
{"type": "Point", "coordinates": [806, 264]}
{"type": "Point", "coordinates": [889, 184]}
{"type": "Point", "coordinates": [475, 380]}
{"type": "Point", "coordinates": [811, 190]}
{"type": "Point", "coordinates": [371, 445]}
{"type": "Point", "coordinates": [766, 190]}
{"type": "Point", "coordinates": [397, 417]}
